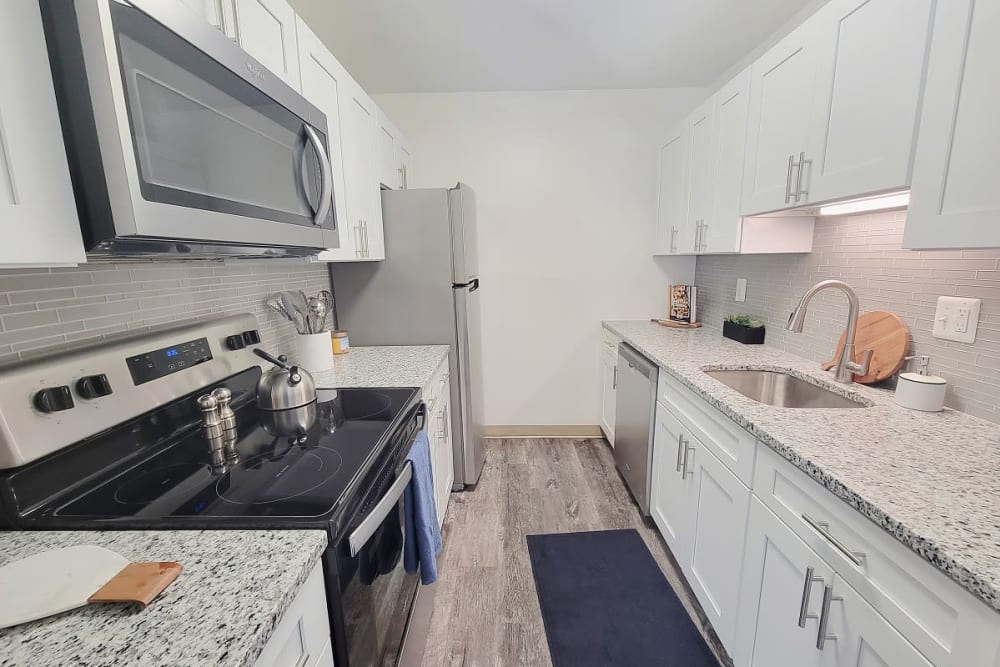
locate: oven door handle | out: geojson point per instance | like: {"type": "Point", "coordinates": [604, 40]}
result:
{"type": "Point", "coordinates": [359, 538]}
{"type": "Point", "coordinates": [326, 173]}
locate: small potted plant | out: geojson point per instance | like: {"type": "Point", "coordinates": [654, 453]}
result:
{"type": "Point", "coordinates": [743, 329]}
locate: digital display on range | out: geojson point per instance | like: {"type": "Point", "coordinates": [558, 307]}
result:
{"type": "Point", "coordinates": [158, 363]}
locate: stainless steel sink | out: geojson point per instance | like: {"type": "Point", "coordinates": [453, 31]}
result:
{"type": "Point", "coordinates": [782, 390]}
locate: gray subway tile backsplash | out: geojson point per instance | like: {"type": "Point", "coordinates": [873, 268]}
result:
{"type": "Point", "coordinates": [42, 309]}
{"type": "Point", "coordinates": [866, 252]}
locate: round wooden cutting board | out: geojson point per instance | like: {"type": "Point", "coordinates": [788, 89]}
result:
{"type": "Point", "coordinates": [886, 335]}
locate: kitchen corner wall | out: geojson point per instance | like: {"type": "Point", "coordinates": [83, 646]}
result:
{"type": "Point", "coordinates": [866, 252]}
{"type": "Point", "coordinates": [566, 192]}
{"type": "Point", "coordinates": [43, 308]}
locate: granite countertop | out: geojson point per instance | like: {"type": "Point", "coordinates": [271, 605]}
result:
{"type": "Point", "coordinates": [932, 480]}
{"type": "Point", "coordinates": [235, 587]}
{"type": "Point", "coordinates": [383, 366]}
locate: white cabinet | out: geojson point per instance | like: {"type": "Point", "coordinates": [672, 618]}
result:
{"type": "Point", "coordinates": [671, 490]}
{"type": "Point", "coordinates": [869, 84]}
{"type": "Point", "coordinates": [780, 596]}
{"type": "Point", "coordinates": [437, 397]}
{"type": "Point", "coordinates": [37, 209]}
{"type": "Point", "coordinates": [322, 79]}
{"type": "Point", "coordinates": [302, 635]}
{"type": "Point", "coordinates": [266, 30]}
{"type": "Point", "coordinates": [359, 125]}
{"type": "Point", "coordinates": [781, 85]}
{"type": "Point", "coordinates": [722, 228]}
{"type": "Point", "coordinates": [394, 155]}
{"type": "Point", "coordinates": [609, 393]}
{"type": "Point", "coordinates": [671, 200]}
{"type": "Point", "coordinates": [954, 202]}
{"type": "Point", "coordinates": [700, 136]}
{"type": "Point", "coordinates": [220, 14]}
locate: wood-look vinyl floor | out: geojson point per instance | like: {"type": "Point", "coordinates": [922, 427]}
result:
{"type": "Point", "coordinates": [486, 610]}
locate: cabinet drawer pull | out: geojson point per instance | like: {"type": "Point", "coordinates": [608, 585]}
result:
{"type": "Point", "coordinates": [811, 579]}
{"type": "Point", "coordinates": [684, 466]}
{"type": "Point", "coordinates": [680, 451]}
{"type": "Point", "coordinates": [823, 528]}
{"type": "Point", "coordinates": [822, 637]}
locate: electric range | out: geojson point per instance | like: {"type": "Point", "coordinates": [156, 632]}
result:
{"type": "Point", "coordinates": [141, 461]}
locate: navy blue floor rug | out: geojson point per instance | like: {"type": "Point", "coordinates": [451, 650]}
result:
{"type": "Point", "coordinates": [605, 602]}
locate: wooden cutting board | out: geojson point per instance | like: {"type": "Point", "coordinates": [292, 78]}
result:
{"type": "Point", "coordinates": [886, 335]}
{"type": "Point", "coordinates": [62, 579]}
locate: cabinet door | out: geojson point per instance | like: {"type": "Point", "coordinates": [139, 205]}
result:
{"type": "Point", "coordinates": [669, 499]}
{"type": "Point", "coordinates": [719, 507]}
{"type": "Point", "coordinates": [700, 139]}
{"type": "Point", "coordinates": [864, 638]}
{"type": "Point", "coordinates": [773, 593]}
{"type": "Point", "coordinates": [870, 78]}
{"type": "Point", "coordinates": [609, 386]}
{"type": "Point", "coordinates": [671, 199]}
{"type": "Point", "coordinates": [390, 170]}
{"type": "Point", "coordinates": [723, 226]}
{"type": "Point", "coordinates": [322, 78]}
{"type": "Point", "coordinates": [405, 160]}
{"type": "Point", "coordinates": [360, 150]}
{"type": "Point", "coordinates": [37, 207]}
{"type": "Point", "coordinates": [446, 467]}
{"type": "Point", "coordinates": [781, 101]}
{"type": "Point", "coordinates": [953, 201]}
{"type": "Point", "coordinates": [266, 30]}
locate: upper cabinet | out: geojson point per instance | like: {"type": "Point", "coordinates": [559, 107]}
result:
{"type": "Point", "coordinates": [834, 106]}
{"type": "Point", "coordinates": [37, 208]}
{"type": "Point", "coordinates": [359, 122]}
{"type": "Point", "coordinates": [394, 155]}
{"type": "Point", "coordinates": [777, 134]}
{"type": "Point", "coordinates": [700, 134]}
{"type": "Point", "coordinates": [954, 201]}
{"type": "Point", "coordinates": [721, 229]}
{"type": "Point", "coordinates": [671, 209]}
{"type": "Point", "coordinates": [220, 14]}
{"type": "Point", "coordinates": [266, 30]}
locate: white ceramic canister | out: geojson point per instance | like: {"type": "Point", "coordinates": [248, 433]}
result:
{"type": "Point", "coordinates": [921, 392]}
{"type": "Point", "coordinates": [314, 351]}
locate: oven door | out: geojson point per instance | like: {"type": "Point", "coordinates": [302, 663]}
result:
{"type": "Point", "coordinates": [376, 592]}
{"type": "Point", "coordinates": [198, 141]}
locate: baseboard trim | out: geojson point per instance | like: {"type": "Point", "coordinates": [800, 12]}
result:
{"type": "Point", "coordinates": [543, 431]}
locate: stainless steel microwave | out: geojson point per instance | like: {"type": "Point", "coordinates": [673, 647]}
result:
{"type": "Point", "coordinates": [180, 144]}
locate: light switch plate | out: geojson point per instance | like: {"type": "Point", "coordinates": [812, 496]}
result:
{"type": "Point", "coordinates": [741, 289]}
{"type": "Point", "coordinates": [956, 318]}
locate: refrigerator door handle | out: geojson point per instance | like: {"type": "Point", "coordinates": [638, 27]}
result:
{"type": "Point", "coordinates": [473, 284]}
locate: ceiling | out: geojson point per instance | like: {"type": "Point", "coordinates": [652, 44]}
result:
{"type": "Point", "coordinates": [405, 46]}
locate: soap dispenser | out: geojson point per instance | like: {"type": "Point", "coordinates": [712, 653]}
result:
{"type": "Point", "coordinates": [921, 391]}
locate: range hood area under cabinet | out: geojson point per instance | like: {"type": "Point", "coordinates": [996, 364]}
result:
{"type": "Point", "coordinates": [861, 99]}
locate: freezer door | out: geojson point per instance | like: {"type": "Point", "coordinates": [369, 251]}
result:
{"type": "Point", "coordinates": [464, 233]}
{"type": "Point", "coordinates": [467, 392]}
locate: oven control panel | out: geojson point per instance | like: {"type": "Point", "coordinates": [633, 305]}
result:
{"type": "Point", "coordinates": [166, 360]}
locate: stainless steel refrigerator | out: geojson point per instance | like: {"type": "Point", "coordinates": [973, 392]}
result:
{"type": "Point", "coordinates": [425, 292]}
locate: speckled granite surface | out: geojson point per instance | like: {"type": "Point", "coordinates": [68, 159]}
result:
{"type": "Point", "coordinates": [932, 480]}
{"type": "Point", "coordinates": [221, 610]}
{"type": "Point", "coordinates": [383, 366]}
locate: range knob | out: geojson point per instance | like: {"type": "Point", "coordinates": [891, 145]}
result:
{"type": "Point", "coordinates": [53, 399]}
{"type": "Point", "coordinates": [93, 386]}
{"type": "Point", "coordinates": [235, 342]}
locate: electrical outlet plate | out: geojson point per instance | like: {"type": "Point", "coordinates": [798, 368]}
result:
{"type": "Point", "coordinates": [741, 289]}
{"type": "Point", "coordinates": [956, 318]}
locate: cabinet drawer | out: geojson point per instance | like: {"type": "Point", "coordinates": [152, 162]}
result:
{"type": "Point", "coordinates": [730, 443]}
{"type": "Point", "coordinates": [303, 633]}
{"type": "Point", "coordinates": [611, 341]}
{"type": "Point", "coordinates": [918, 600]}
{"type": "Point", "coordinates": [436, 386]}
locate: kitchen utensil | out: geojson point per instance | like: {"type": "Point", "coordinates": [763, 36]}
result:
{"type": "Point", "coordinates": [317, 315]}
{"type": "Point", "coordinates": [676, 325]}
{"type": "Point", "coordinates": [274, 302]}
{"type": "Point", "coordinates": [327, 298]}
{"type": "Point", "coordinates": [315, 351]}
{"type": "Point", "coordinates": [295, 304]}
{"type": "Point", "coordinates": [921, 391]}
{"type": "Point", "coordinates": [284, 386]}
{"type": "Point", "coordinates": [62, 579]}
{"type": "Point", "coordinates": [887, 336]}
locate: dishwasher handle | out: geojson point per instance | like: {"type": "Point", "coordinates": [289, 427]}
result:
{"type": "Point", "coordinates": [630, 356]}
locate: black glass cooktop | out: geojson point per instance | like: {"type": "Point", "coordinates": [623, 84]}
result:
{"type": "Point", "coordinates": [296, 468]}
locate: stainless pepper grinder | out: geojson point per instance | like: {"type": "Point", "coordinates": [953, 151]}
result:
{"type": "Point", "coordinates": [223, 397]}
{"type": "Point", "coordinates": [211, 427]}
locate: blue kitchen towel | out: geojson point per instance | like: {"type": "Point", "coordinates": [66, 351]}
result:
{"type": "Point", "coordinates": [422, 543]}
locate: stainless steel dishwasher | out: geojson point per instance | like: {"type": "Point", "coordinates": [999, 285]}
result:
{"type": "Point", "coordinates": [634, 413]}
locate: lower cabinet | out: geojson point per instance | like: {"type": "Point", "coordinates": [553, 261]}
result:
{"type": "Point", "coordinates": [437, 396]}
{"type": "Point", "coordinates": [609, 391]}
{"type": "Point", "coordinates": [302, 636]}
{"type": "Point", "coordinates": [700, 507]}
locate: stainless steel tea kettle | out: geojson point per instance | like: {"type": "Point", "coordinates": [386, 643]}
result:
{"type": "Point", "coordinates": [283, 387]}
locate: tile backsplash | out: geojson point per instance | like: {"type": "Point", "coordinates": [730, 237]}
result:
{"type": "Point", "coordinates": [41, 308]}
{"type": "Point", "coordinates": [866, 252]}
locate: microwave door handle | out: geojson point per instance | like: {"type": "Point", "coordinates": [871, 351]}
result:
{"type": "Point", "coordinates": [326, 174]}
{"type": "Point", "coordinates": [359, 538]}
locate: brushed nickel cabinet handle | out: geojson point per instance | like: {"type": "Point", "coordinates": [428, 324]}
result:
{"type": "Point", "coordinates": [822, 636]}
{"type": "Point", "coordinates": [823, 528]}
{"type": "Point", "coordinates": [680, 451]}
{"type": "Point", "coordinates": [684, 468]}
{"type": "Point", "coordinates": [788, 179]}
{"type": "Point", "coordinates": [811, 579]}
{"type": "Point", "coordinates": [798, 176]}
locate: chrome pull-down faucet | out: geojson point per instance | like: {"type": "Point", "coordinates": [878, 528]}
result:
{"type": "Point", "coordinates": [846, 367]}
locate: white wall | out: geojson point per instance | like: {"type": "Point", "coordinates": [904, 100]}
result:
{"type": "Point", "coordinates": [566, 189]}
